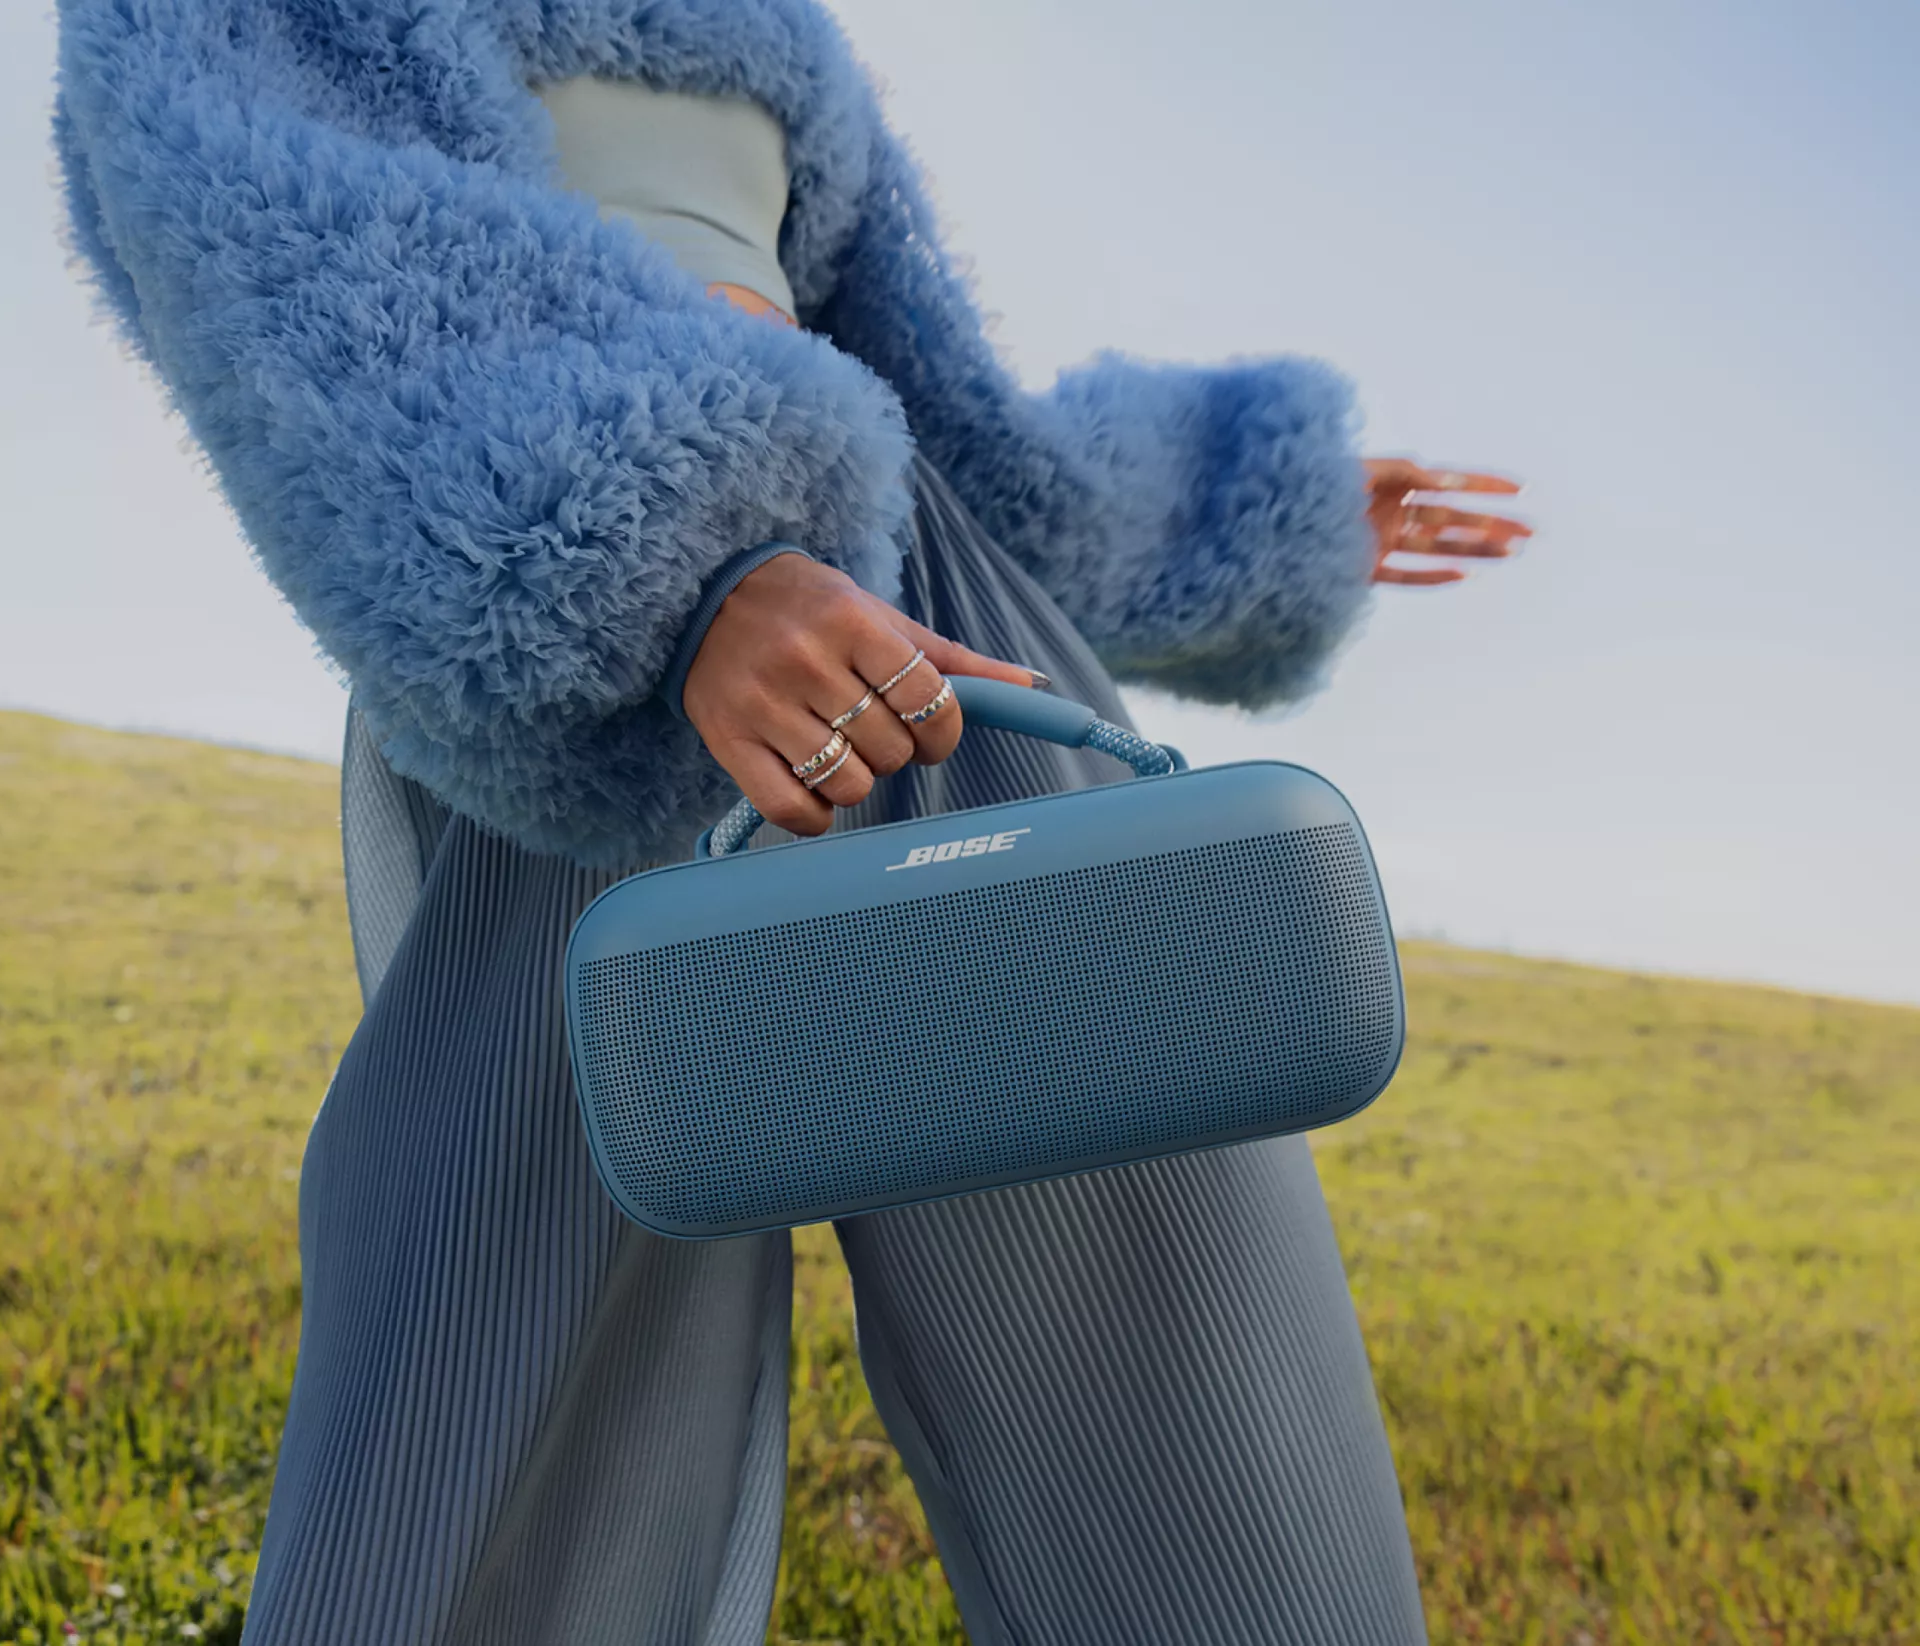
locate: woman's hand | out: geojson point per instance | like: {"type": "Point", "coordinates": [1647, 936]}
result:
{"type": "Point", "coordinates": [796, 647]}
{"type": "Point", "coordinates": [1400, 525]}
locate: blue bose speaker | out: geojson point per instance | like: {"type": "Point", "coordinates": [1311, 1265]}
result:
{"type": "Point", "coordinates": [955, 1003]}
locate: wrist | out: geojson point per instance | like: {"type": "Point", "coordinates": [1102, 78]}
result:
{"type": "Point", "coordinates": [726, 578]}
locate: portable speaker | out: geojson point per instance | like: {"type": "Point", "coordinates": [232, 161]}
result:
{"type": "Point", "coordinates": [958, 1002]}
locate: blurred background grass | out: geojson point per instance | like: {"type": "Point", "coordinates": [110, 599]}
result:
{"type": "Point", "coordinates": [1632, 1256]}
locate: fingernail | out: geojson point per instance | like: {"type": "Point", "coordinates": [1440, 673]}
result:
{"type": "Point", "coordinates": [1040, 681]}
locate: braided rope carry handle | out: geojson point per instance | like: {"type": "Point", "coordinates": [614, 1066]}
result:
{"type": "Point", "coordinates": [1011, 708]}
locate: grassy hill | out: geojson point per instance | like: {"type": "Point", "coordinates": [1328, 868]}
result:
{"type": "Point", "coordinates": [1634, 1258]}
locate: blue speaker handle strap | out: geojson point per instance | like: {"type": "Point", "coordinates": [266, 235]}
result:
{"type": "Point", "coordinates": [1023, 709]}
{"type": "Point", "coordinates": [1009, 708]}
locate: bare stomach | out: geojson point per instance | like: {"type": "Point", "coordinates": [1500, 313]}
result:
{"type": "Point", "coordinates": [741, 298]}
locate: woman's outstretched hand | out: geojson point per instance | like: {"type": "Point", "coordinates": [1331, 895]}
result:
{"type": "Point", "coordinates": [789, 673]}
{"type": "Point", "coordinates": [1402, 526]}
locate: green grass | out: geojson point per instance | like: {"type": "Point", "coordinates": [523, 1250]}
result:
{"type": "Point", "coordinates": [1632, 1256]}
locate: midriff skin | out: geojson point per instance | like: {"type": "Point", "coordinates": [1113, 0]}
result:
{"type": "Point", "coordinates": [741, 298]}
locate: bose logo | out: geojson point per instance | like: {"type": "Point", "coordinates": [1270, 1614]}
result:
{"type": "Point", "coordinates": [948, 850]}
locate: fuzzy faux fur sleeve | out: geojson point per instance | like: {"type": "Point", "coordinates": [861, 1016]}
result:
{"type": "Point", "coordinates": [487, 446]}
{"type": "Point", "coordinates": [1204, 527]}
{"type": "Point", "coordinates": [1207, 525]}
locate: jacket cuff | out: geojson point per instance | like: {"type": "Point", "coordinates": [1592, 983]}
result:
{"type": "Point", "coordinates": [730, 576]}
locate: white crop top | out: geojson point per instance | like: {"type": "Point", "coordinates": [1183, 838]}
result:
{"type": "Point", "coordinates": [705, 177]}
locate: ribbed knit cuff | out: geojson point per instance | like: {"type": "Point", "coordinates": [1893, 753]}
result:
{"type": "Point", "coordinates": [723, 582]}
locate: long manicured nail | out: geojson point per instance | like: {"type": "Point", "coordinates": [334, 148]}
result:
{"type": "Point", "coordinates": [1040, 681]}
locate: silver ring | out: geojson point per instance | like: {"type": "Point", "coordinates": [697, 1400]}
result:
{"type": "Point", "coordinates": [1409, 520]}
{"type": "Point", "coordinates": [928, 710]}
{"type": "Point", "coordinates": [818, 778]}
{"type": "Point", "coordinates": [853, 713]}
{"type": "Point", "coordinates": [835, 745]}
{"type": "Point", "coordinates": [913, 663]}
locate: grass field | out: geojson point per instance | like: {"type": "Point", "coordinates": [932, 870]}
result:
{"type": "Point", "coordinates": [1633, 1257]}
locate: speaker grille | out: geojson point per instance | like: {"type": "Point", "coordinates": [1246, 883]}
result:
{"type": "Point", "coordinates": [1137, 1005]}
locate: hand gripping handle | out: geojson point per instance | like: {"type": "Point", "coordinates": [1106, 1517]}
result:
{"type": "Point", "coordinates": [1011, 708]}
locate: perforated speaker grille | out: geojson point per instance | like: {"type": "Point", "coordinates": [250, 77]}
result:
{"type": "Point", "coordinates": [1131, 1007]}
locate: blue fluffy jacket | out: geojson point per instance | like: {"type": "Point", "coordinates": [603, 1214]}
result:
{"type": "Point", "coordinates": [490, 446]}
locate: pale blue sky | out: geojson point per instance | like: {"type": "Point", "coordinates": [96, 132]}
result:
{"type": "Point", "coordinates": [1655, 260]}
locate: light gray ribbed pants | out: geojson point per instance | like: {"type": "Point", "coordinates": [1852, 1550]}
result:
{"type": "Point", "coordinates": [1135, 1403]}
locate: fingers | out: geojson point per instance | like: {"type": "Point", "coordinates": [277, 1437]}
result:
{"type": "Point", "coordinates": [878, 735]}
{"type": "Point", "coordinates": [950, 657]}
{"type": "Point", "coordinates": [928, 708]}
{"type": "Point", "coordinates": [1425, 578]}
{"type": "Point", "coordinates": [1402, 473]}
{"type": "Point", "coordinates": [832, 769]}
{"type": "Point", "coordinates": [777, 795]}
{"type": "Point", "coordinates": [778, 735]}
{"type": "Point", "coordinates": [795, 649]}
{"type": "Point", "coordinates": [913, 690]}
{"type": "Point", "coordinates": [1427, 528]}
{"type": "Point", "coordinates": [1461, 549]}
{"type": "Point", "coordinates": [1459, 480]}
{"type": "Point", "coordinates": [1430, 529]}
{"type": "Point", "coordinates": [936, 736]}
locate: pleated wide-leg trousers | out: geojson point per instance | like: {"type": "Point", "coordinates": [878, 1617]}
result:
{"type": "Point", "coordinates": [1135, 1403]}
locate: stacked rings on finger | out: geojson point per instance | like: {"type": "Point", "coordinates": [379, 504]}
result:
{"type": "Point", "coordinates": [820, 777]}
{"type": "Point", "coordinates": [928, 710]}
{"type": "Point", "coordinates": [853, 713]}
{"type": "Point", "coordinates": [835, 749]}
{"type": "Point", "coordinates": [913, 663]}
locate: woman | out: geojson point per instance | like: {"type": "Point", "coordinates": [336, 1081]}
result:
{"type": "Point", "coordinates": [522, 334]}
